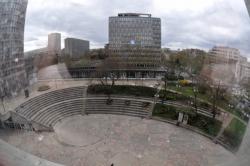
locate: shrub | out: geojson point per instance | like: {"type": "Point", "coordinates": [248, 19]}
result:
{"type": "Point", "coordinates": [164, 111]}
{"type": "Point", "coordinates": [182, 97]}
{"type": "Point", "coordinates": [122, 90]}
{"type": "Point", "coordinates": [184, 82]}
{"type": "Point", "coordinates": [172, 96]}
{"type": "Point", "coordinates": [173, 77]}
{"type": "Point", "coordinates": [171, 83]}
{"type": "Point", "coordinates": [203, 89]}
{"type": "Point", "coordinates": [167, 95]}
{"type": "Point", "coordinates": [43, 88]}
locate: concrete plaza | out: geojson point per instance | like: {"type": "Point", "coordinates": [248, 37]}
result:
{"type": "Point", "coordinates": [100, 140]}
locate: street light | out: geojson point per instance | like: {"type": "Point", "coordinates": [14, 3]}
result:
{"type": "Point", "coordinates": [2, 96]}
{"type": "Point", "coordinates": [195, 91]}
{"type": "Point", "coordinates": [155, 100]}
{"type": "Point", "coordinates": [2, 100]}
{"type": "Point", "coordinates": [2, 89]}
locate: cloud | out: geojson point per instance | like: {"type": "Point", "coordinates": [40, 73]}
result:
{"type": "Point", "coordinates": [192, 23]}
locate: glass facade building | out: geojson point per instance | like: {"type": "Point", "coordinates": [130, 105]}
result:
{"type": "Point", "coordinates": [136, 39]}
{"type": "Point", "coordinates": [76, 48]}
{"type": "Point", "coordinates": [12, 72]}
{"type": "Point", "coordinates": [248, 5]}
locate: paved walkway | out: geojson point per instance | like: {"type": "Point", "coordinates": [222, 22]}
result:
{"type": "Point", "coordinates": [11, 156]}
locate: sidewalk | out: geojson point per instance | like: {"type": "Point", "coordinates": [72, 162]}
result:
{"type": "Point", "coordinates": [11, 156]}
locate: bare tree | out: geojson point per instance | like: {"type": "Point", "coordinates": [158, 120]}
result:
{"type": "Point", "coordinates": [166, 64]}
{"type": "Point", "coordinates": [195, 92]}
{"type": "Point", "coordinates": [108, 72]}
{"type": "Point", "coordinates": [217, 80]}
{"type": "Point", "coordinates": [109, 69]}
{"type": "Point", "coordinates": [215, 95]}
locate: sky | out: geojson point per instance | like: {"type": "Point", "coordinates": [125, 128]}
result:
{"type": "Point", "coordinates": [185, 23]}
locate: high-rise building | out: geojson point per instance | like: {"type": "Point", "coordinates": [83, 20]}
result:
{"type": "Point", "coordinates": [135, 39]}
{"type": "Point", "coordinates": [54, 44]}
{"type": "Point", "coordinates": [12, 22]}
{"type": "Point", "coordinates": [248, 5]}
{"type": "Point", "coordinates": [43, 57]}
{"type": "Point", "coordinates": [76, 48]}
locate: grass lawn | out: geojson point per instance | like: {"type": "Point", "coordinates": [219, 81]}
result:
{"type": "Point", "coordinates": [188, 91]}
{"type": "Point", "coordinates": [234, 133]}
{"type": "Point", "coordinates": [208, 125]}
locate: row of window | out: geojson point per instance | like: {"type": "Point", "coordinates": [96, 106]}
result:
{"type": "Point", "coordinates": [117, 45]}
{"type": "Point", "coordinates": [134, 26]}
{"type": "Point", "coordinates": [134, 19]}
{"type": "Point", "coordinates": [9, 72]}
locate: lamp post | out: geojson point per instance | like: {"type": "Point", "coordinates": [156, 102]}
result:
{"type": "Point", "coordinates": [2, 96]}
{"type": "Point", "coordinates": [2, 90]}
{"type": "Point", "coordinates": [16, 60]}
{"type": "Point", "coordinates": [195, 91]}
{"type": "Point", "coordinates": [156, 96]}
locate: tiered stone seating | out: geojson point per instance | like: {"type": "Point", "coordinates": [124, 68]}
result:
{"type": "Point", "coordinates": [49, 108]}
{"type": "Point", "coordinates": [51, 115]}
{"type": "Point", "coordinates": [118, 107]}
{"type": "Point", "coordinates": [34, 105]}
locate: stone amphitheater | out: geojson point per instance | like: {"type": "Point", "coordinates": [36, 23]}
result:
{"type": "Point", "coordinates": [70, 127]}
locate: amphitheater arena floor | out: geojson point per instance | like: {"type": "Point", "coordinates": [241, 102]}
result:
{"type": "Point", "coordinates": [100, 140]}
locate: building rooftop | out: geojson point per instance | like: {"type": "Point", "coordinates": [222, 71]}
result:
{"type": "Point", "coordinates": [133, 15]}
{"type": "Point", "coordinates": [76, 39]}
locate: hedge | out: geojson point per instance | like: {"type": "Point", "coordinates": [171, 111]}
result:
{"type": "Point", "coordinates": [122, 90]}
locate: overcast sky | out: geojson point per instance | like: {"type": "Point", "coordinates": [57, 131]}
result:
{"type": "Point", "coordinates": [185, 23]}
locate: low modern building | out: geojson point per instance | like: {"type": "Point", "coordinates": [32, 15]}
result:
{"type": "Point", "coordinates": [75, 48]}
{"type": "Point", "coordinates": [12, 22]}
{"type": "Point", "coordinates": [135, 40]}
